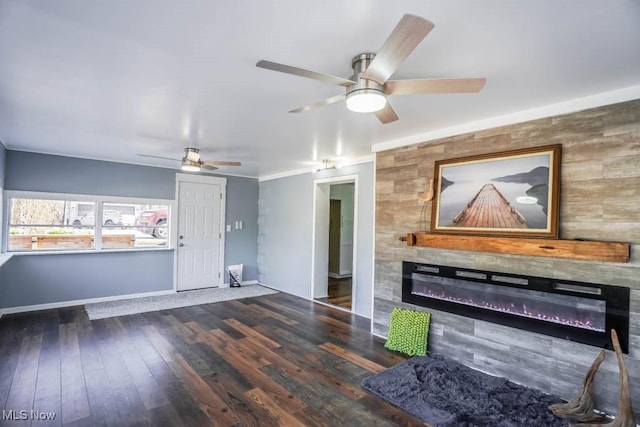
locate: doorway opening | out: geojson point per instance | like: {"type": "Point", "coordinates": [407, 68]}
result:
{"type": "Point", "coordinates": [335, 228]}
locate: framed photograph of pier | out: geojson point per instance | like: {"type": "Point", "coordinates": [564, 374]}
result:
{"type": "Point", "coordinates": [511, 193]}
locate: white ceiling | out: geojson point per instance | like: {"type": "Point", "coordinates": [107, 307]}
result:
{"type": "Point", "coordinates": [110, 79]}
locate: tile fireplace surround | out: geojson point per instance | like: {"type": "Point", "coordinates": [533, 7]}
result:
{"type": "Point", "coordinates": [599, 199]}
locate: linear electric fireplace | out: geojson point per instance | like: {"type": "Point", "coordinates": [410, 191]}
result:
{"type": "Point", "coordinates": [576, 311]}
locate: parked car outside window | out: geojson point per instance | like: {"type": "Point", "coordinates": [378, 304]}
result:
{"type": "Point", "coordinates": [40, 222]}
{"type": "Point", "coordinates": [153, 222]}
{"type": "Point", "coordinates": [110, 217]}
{"type": "Point", "coordinates": [126, 214]}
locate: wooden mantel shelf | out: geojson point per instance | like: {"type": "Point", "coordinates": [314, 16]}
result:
{"type": "Point", "coordinates": [574, 249]}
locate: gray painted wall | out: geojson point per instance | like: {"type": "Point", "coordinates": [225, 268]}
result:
{"type": "Point", "coordinates": [285, 233]}
{"type": "Point", "coordinates": [241, 246]}
{"type": "Point", "coordinates": [58, 174]}
{"type": "Point", "coordinates": [345, 194]}
{"type": "Point", "coordinates": [39, 279]}
{"type": "Point", "coordinates": [25, 278]}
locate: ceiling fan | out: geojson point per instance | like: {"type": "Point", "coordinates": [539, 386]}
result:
{"type": "Point", "coordinates": [366, 91]}
{"type": "Point", "coordinates": [191, 161]}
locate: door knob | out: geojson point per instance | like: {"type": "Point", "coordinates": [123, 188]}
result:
{"type": "Point", "coordinates": [181, 244]}
{"type": "Point", "coordinates": [181, 237]}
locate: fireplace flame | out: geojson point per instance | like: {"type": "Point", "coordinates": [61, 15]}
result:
{"type": "Point", "coordinates": [514, 309]}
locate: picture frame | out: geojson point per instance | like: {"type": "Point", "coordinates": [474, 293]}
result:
{"type": "Point", "coordinates": [511, 193]}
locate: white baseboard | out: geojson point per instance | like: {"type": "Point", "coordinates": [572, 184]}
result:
{"type": "Point", "coordinates": [62, 304]}
{"type": "Point", "coordinates": [244, 282]}
{"type": "Point", "coordinates": [313, 300]}
{"type": "Point", "coordinates": [339, 276]}
{"type": "Point", "coordinates": [275, 288]}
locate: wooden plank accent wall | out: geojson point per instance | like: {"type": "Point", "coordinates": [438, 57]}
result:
{"type": "Point", "coordinates": [600, 200]}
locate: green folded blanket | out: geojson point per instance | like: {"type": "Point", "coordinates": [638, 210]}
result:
{"type": "Point", "coordinates": [408, 330]}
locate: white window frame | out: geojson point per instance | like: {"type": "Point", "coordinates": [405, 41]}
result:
{"type": "Point", "coordinates": [99, 201]}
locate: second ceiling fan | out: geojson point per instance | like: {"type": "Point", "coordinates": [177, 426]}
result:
{"type": "Point", "coordinates": [191, 162]}
{"type": "Point", "coordinates": [367, 89]}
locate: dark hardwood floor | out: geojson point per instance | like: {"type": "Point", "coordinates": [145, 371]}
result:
{"type": "Point", "coordinates": [271, 360]}
{"type": "Point", "coordinates": [339, 292]}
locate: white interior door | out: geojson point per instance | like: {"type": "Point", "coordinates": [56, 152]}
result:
{"type": "Point", "coordinates": [199, 235]}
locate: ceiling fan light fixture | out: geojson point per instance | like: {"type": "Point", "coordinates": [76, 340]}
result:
{"type": "Point", "coordinates": [189, 165]}
{"type": "Point", "coordinates": [326, 165]}
{"type": "Point", "coordinates": [366, 100]}
{"type": "Point", "coordinates": [192, 154]}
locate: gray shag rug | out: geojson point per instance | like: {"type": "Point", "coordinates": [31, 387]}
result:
{"type": "Point", "coordinates": [445, 393]}
{"type": "Point", "coordinates": [101, 310]}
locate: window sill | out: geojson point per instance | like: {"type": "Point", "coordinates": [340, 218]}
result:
{"type": "Point", "coordinates": [4, 258]}
{"type": "Point", "coordinates": [102, 251]}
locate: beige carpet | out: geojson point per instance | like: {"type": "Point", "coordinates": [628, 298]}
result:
{"type": "Point", "coordinates": [125, 307]}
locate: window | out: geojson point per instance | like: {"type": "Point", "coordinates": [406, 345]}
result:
{"type": "Point", "coordinates": [140, 226]}
{"type": "Point", "coordinates": [37, 222]}
{"type": "Point", "coordinates": [47, 224]}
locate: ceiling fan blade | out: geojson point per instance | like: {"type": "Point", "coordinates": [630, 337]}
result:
{"type": "Point", "coordinates": [408, 87]}
{"type": "Point", "coordinates": [274, 66]}
{"type": "Point", "coordinates": [219, 163]}
{"type": "Point", "coordinates": [158, 157]}
{"type": "Point", "coordinates": [322, 103]}
{"type": "Point", "coordinates": [408, 34]}
{"type": "Point", "coordinates": [206, 167]}
{"type": "Point", "coordinates": [387, 114]}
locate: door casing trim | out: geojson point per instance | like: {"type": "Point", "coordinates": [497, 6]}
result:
{"type": "Point", "coordinates": [201, 179]}
{"type": "Point", "coordinates": [318, 247]}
